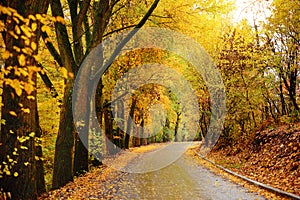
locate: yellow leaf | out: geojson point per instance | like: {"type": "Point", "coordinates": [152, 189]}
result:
{"type": "Point", "coordinates": [32, 17]}
{"type": "Point", "coordinates": [26, 163]}
{"type": "Point", "coordinates": [32, 134]}
{"type": "Point", "coordinates": [13, 34]}
{"type": "Point", "coordinates": [22, 59]}
{"type": "Point", "coordinates": [46, 29]}
{"type": "Point", "coordinates": [26, 110]}
{"type": "Point", "coordinates": [31, 97]}
{"type": "Point", "coordinates": [26, 40]}
{"type": "Point", "coordinates": [28, 89]}
{"type": "Point", "coordinates": [16, 174]}
{"type": "Point", "coordinates": [60, 19]}
{"type": "Point", "coordinates": [295, 148]}
{"type": "Point", "coordinates": [26, 31]}
{"type": "Point", "coordinates": [71, 75]}
{"type": "Point", "coordinates": [33, 45]}
{"type": "Point", "coordinates": [8, 173]}
{"type": "Point", "coordinates": [16, 20]}
{"type": "Point", "coordinates": [13, 113]}
{"type": "Point", "coordinates": [34, 26]}
{"type": "Point", "coordinates": [16, 85]}
{"type": "Point", "coordinates": [64, 72]}
{"type": "Point", "coordinates": [38, 16]}
{"type": "Point", "coordinates": [16, 48]}
{"type": "Point", "coordinates": [36, 157]}
{"type": "Point", "coordinates": [5, 55]}
{"type": "Point", "coordinates": [17, 30]}
{"type": "Point", "coordinates": [23, 147]}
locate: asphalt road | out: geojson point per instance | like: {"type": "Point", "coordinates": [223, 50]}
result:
{"type": "Point", "coordinates": [181, 179]}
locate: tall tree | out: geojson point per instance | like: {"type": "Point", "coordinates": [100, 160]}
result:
{"type": "Point", "coordinates": [71, 56]}
{"type": "Point", "coordinates": [21, 174]}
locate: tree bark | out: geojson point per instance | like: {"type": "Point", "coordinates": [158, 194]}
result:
{"type": "Point", "coordinates": [20, 174]}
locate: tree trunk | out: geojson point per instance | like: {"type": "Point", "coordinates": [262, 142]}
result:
{"type": "Point", "coordinates": [64, 146]}
{"type": "Point", "coordinates": [177, 127]}
{"type": "Point", "coordinates": [110, 148]}
{"type": "Point", "coordinates": [128, 125]}
{"type": "Point", "coordinates": [18, 166]}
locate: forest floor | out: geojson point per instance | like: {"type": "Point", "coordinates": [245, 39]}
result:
{"type": "Point", "coordinates": [185, 178]}
{"type": "Point", "coordinates": [106, 182]}
{"type": "Point", "coordinates": [271, 157]}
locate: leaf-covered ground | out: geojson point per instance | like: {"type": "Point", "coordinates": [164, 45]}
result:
{"type": "Point", "coordinates": [271, 157]}
{"type": "Point", "coordinates": [102, 177]}
{"type": "Point", "coordinates": [105, 182]}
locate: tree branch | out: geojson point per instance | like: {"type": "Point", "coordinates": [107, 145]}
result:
{"type": "Point", "coordinates": [47, 82]}
{"type": "Point", "coordinates": [118, 30]}
{"type": "Point", "coordinates": [52, 49]}
{"type": "Point", "coordinates": [130, 35]}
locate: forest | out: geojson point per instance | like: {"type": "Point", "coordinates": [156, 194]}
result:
{"type": "Point", "coordinates": [143, 83]}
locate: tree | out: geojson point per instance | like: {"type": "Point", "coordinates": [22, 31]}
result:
{"type": "Point", "coordinates": [21, 170]}
{"type": "Point", "coordinates": [70, 57]}
{"type": "Point", "coordinates": [282, 36]}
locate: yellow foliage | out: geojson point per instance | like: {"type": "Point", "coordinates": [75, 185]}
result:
{"type": "Point", "coordinates": [32, 17]}
{"type": "Point", "coordinates": [22, 60]}
{"type": "Point", "coordinates": [2, 26]}
{"type": "Point", "coordinates": [26, 31]}
{"type": "Point", "coordinates": [16, 48]}
{"type": "Point", "coordinates": [34, 26]}
{"type": "Point", "coordinates": [32, 134]}
{"type": "Point", "coordinates": [46, 29]}
{"type": "Point", "coordinates": [17, 30]}
{"type": "Point", "coordinates": [29, 88]}
{"type": "Point", "coordinates": [31, 97]}
{"type": "Point", "coordinates": [13, 113]}
{"type": "Point", "coordinates": [64, 72]}
{"type": "Point", "coordinates": [60, 20]}
{"type": "Point", "coordinates": [26, 110]}
{"type": "Point", "coordinates": [33, 45]}
{"type": "Point", "coordinates": [6, 54]}
{"type": "Point", "coordinates": [12, 33]}
{"type": "Point", "coordinates": [16, 85]}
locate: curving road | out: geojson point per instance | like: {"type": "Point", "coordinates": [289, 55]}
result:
{"type": "Point", "coordinates": [183, 179]}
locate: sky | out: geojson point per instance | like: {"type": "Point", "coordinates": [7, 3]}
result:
{"type": "Point", "coordinates": [252, 10]}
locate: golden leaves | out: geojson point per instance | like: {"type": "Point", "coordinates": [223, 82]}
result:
{"type": "Point", "coordinates": [6, 54]}
{"type": "Point", "coordinates": [15, 84]}
{"type": "Point", "coordinates": [33, 26]}
{"type": "Point", "coordinates": [26, 30]}
{"type": "Point", "coordinates": [60, 20]}
{"type": "Point", "coordinates": [25, 110]}
{"type": "Point", "coordinates": [29, 88]}
{"type": "Point", "coordinates": [33, 46]}
{"type": "Point", "coordinates": [22, 60]}
{"type": "Point", "coordinates": [65, 73]}
{"type": "Point", "coordinates": [13, 113]}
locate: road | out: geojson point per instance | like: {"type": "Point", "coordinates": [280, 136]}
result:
{"type": "Point", "coordinates": [182, 179]}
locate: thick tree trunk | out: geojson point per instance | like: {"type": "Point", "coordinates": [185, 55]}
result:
{"type": "Point", "coordinates": [20, 173]}
{"type": "Point", "coordinates": [64, 147]}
